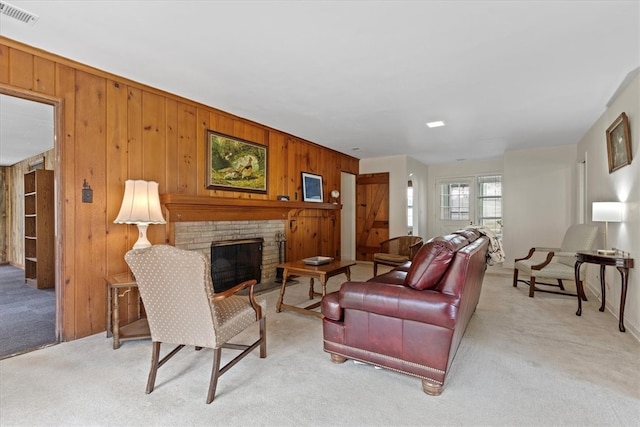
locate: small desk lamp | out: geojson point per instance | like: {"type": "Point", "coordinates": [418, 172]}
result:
{"type": "Point", "coordinates": [140, 206]}
{"type": "Point", "coordinates": [606, 212]}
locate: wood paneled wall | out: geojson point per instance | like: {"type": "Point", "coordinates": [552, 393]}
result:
{"type": "Point", "coordinates": [114, 129]}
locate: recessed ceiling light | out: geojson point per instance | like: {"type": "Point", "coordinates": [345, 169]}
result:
{"type": "Point", "coordinates": [436, 124]}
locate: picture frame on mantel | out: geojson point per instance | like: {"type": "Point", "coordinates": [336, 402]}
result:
{"type": "Point", "coordinates": [311, 188]}
{"type": "Point", "coordinates": [234, 164]}
{"type": "Point", "coordinates": [619, 143]}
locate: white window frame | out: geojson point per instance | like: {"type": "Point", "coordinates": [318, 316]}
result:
{"type": "Point", "coordinates": [447, 225]}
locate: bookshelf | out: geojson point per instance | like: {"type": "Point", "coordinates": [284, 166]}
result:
{"type": "Point", "coordinates": [39, 270]}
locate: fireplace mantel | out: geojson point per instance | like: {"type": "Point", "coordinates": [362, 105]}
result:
{"type": "Point", "coordinates": [182, 207]}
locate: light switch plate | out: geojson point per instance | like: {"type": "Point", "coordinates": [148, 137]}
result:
{"type": "Point", "coordinates": [87, 195]}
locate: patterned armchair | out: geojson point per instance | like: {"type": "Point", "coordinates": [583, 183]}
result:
{"type": "Point", "coordinates": [182, 309]}
{"type": "Point", "coordinates": [396, 251]}
{"type": "Point", "coordinates": [559, 262]}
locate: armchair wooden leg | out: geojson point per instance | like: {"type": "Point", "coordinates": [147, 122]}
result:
{"type": "Point", "coordinates": [263, 337]}
{"type": "Point", "coordinates": [430, 388]}
{"type": "Point", "coordinates": [375, 269]}
{"type": "Point", "coordinates": [215, 374]}
{"type": "Point", "coordinates": [335, 358]}
{"type": "Point", "coordinates": [515, 277]}
{"type": "Point", "coordinates": [560, 284]}
{"type": "Point", "coordinates": [532, 286]}
{"type": "Point", "coordinates": [155, 357]}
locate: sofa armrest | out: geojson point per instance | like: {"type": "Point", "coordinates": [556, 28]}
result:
{"type": "Point", "coordinates": [398, 301]}
{"type": "Point", "coordinates": [331, 306]}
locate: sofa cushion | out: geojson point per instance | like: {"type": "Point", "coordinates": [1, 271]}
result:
{"type": "Point", "coordinates": [394, 276]}
{"type": "Point", "coordinates": [430, 264]}
{"type": "Point", "coordinates": [470, 233]}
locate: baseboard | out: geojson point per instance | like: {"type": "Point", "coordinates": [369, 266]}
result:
{"type": "Point", "coordinates": [630, 327]}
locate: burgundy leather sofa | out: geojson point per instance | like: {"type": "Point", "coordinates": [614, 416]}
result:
{"type": "Point", "coordinates": [411, 319]}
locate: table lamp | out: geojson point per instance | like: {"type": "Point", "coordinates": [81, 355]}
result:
{"type": "Point", "coordinates": [606, 212]}
{"type": "Point", "coordinates": [140, 206]}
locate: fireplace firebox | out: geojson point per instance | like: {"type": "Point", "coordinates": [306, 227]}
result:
{"type": "Point", "coordinates": [234, 261]}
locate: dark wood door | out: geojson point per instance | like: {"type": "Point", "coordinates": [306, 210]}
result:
{"type": "Point", "coordinates": [372, 213]}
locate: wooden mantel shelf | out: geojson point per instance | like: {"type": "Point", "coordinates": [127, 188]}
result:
{"type": "Point", "coordinates": [182, 208]}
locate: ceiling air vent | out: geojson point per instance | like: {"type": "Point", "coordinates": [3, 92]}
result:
{"type": "Point", "coordinates": [17, 13]}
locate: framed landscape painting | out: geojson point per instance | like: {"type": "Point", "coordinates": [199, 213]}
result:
{"type": "Point", "coordinates": [234, 164]}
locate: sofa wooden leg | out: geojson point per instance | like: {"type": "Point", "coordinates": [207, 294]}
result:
{"type": "Point", "coordinates": [432, 389]}
{"type": "Point", "coordinates": [335, 358]}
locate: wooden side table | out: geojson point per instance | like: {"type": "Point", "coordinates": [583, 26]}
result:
{"type": "Point", "coordinates": [320, 272]}
{"type": "Point", "coordinates": [138, 329]}
{"type": "Point", "coordinates": [622, 263]}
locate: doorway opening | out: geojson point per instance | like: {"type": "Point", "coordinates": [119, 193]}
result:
{"type": "Point", "coordinates": [348, 215]}
{"type": "Point", "coordinates": [30, 309]}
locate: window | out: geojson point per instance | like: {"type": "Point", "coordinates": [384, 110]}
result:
{"type": "Point", "coordinates": [489, 209]}
{"type": "Point", "coordinates": [454, 201]}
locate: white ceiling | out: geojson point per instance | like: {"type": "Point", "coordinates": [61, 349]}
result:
{"type": "Point", "coordinates": [503, 75]}
{"type": "Point", "coordinates": [26, 129]}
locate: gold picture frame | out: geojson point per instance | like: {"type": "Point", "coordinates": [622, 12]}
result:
{"type": "Point", "coordinates": [619, 143]}
{"type": "Point", "coordinates": [234, 164]}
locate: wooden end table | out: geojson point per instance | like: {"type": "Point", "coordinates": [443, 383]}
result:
{"type": "Point", "coordinates": [138, 329]}
{"type": "Point", "coordinates": [320, 272]}
{"type": "Point", "coordinates": [622, 263]}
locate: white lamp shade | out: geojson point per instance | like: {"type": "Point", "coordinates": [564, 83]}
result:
{"type": "Point", "coordinates": [606, 212]}
{"type": "Point", "coordinates": [140, 204]}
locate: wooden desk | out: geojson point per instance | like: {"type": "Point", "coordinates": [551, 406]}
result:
{"type": "Point", "coordinates": [623, 264]}
{"type": "Point", "coordinates": [321, 272]}
{"type": "Point", "coordinates": [136, 330]}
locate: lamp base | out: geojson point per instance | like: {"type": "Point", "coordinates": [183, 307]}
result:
{"type": "Point", "coordinates": [142, 241]}
{"type": "Point", "coordinates": [606, 251]}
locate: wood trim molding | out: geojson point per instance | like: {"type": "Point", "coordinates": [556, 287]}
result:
{"type": "Point", "coordinates": [182, 208]}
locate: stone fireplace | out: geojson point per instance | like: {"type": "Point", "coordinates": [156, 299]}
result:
{"type": "Point", "coordinates": [199, 235]}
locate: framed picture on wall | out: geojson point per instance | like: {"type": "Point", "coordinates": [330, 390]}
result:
{"type": "Point", "coordinates": [311, 188]}
{"type": "Point", "coordinates": [234, 164]}
{"type": "Point", "coordinates": [619, 143]}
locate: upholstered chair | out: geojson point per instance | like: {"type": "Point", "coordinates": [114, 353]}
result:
{"type": "Point", "coordinates": [396, 251]}
{"type": "Point", "coordinates": [559, 262]}
{"type": "Point", "coordinates": [182, 309]}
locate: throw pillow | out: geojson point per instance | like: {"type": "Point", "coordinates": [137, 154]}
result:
{"type": "Point", "coordinates": [429, 265]}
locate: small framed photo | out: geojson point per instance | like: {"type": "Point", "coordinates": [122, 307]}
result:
{"type": "Point", "coordinates": [619, 143]}
{"type": "Point", "coordinates": [311, 188]}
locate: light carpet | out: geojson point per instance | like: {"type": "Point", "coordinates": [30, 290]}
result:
{"type": "Point", "coordinates": [522, 361]}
